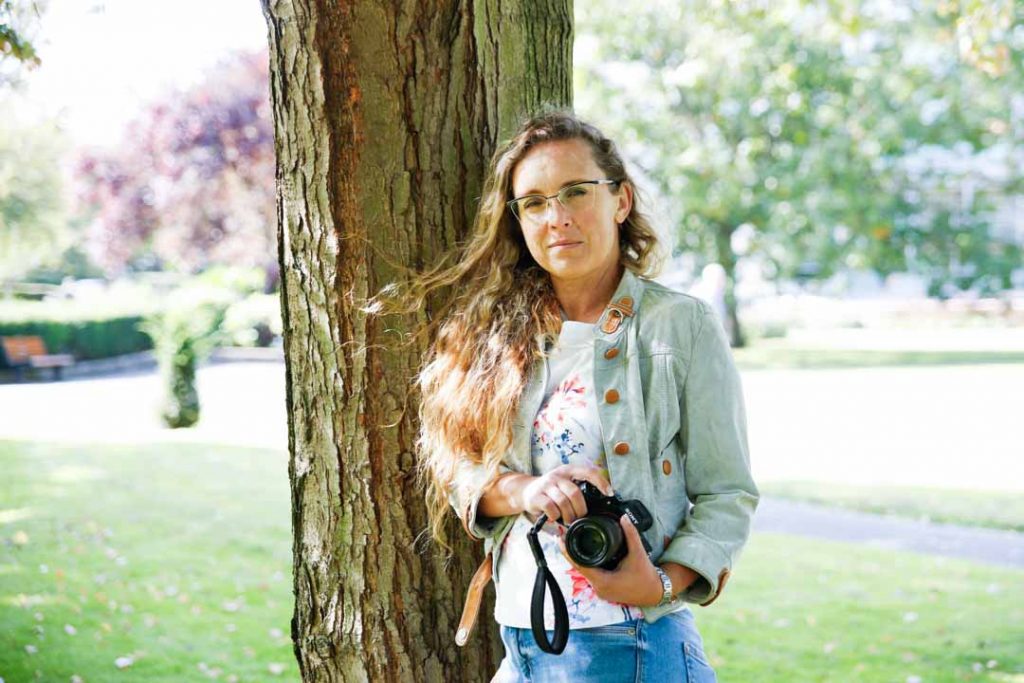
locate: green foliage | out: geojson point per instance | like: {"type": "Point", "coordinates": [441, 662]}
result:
{"type": "Point", "coordinates": [33, 226]}
{"type": "Point", "coordinates": [183, 335]}
{"type": "Point", "coordinates": [18, 22]}
{"type": "Point", "coordinates": [253, 321]}
{"type": "Point", "coordinates": [816, 136]}
{"type": "Point", "coordinates": [83, 338]}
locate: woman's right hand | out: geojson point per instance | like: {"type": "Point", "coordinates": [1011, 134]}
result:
{"type": "Point", "coordinates": [557, 494]}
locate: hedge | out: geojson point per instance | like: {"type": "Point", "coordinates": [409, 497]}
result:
{"type": "Point", "coordinates": [84, 339]}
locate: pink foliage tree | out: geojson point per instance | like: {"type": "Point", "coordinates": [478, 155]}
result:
{"type": "Point", "coordinates": [192, 182]}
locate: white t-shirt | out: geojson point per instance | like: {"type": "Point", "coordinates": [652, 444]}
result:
{"type": "Point", "coordinates": [567, 429]}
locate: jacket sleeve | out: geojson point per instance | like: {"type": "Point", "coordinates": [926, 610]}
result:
{"type": "Point", "coordinates": [464, 496]}
{"type": "Point", "coordinates": [716, 463]}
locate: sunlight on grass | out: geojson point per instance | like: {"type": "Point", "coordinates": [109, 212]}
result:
{"type": "Point", "coordinates": [174, 565]}
{"type": "Point", "coordinates": [169, 562]}
{"type": "Point", "coordinates": [14, 515]}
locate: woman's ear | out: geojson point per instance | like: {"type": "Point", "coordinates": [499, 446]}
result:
{"type": "Point", "coordinates": [625, 201]}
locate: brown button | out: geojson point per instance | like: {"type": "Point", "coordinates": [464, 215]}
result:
{"type": "Point", "coordinates": [621, 448]}
{"type": "Point", "coordinates": [666, 467]}
{"type": "Point", "coordinates": [626, 301]}
{"type": "Point", "coordinates": [611, 396]}
{"type": "Point", "coordinates": [611, 353]}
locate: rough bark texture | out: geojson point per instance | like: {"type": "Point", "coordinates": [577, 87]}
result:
{"type": "Point", "coordinates": [385, 116]}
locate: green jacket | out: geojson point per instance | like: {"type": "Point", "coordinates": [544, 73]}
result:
{"type": "Point", "coordinates": [675, 436]}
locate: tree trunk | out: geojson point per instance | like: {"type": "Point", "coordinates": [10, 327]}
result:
{"type": "Point", "coordinates": [385, 115]}
{"type": "Point", "coordinates": [727, 259]}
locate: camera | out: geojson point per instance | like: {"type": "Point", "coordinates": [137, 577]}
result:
{"type": "Point", "coordinates": [597, 540]}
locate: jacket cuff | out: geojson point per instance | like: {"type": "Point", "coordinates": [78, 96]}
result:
{"type": "Point", "coordinates": [706, 558]}
{"type": "Point", "coordinates": [467, 501]}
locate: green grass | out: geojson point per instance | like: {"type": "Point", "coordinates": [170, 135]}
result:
{"type": "Point", "coordinates": [808, 610]}
{"type": "Point", "coordinates": [204, 583]}
{"type": "Point", "coordinates": [175, 556]}
{"type": "Point", "coordinates": [992, 509]}
{"type": "Point", "coordinates": [777, 356]}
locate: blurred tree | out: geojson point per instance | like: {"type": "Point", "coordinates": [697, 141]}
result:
{"type": "Point", "coordinates": [33, 228]}
{"type": "Point", "coordinates": [18, 23]}
{"type": "Point", "coordinates": [794, 131]}
{"type": "Point", "coordinates": [192, 183]}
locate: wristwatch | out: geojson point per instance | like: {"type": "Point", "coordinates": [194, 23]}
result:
{"type": "Point", "coordinates": [666, 583]}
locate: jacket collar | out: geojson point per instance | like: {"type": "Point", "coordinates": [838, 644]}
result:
{"type": "Point", "coordinates": [624, 303]}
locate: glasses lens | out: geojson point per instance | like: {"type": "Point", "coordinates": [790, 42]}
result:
{"type": "Point", "coordinates": [575, 197]}
{"type": "Point", "coordinates": [530, 208]}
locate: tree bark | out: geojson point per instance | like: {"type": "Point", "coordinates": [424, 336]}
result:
{"type": "Point", "coordinates": [385, 116]}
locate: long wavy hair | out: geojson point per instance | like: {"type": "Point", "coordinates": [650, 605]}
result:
{"type": "Point", "coordinates": [503, 310]}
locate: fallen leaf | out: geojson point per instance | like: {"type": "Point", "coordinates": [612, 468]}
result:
{"type": "Point", "coordinates": [123, 662]}
{"type": "Point", "coordinates": [275, 668]}
{"type": "Point", "coordinates": [19, 538]}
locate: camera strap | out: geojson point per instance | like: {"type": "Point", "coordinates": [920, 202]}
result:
{"type": "Point", "coordinates": [544, 577]}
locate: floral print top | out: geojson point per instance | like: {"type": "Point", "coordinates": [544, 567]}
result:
{"type": "Point", "coordinates": [566, 430]}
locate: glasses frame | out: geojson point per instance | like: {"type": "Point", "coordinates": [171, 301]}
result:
{"type": "Point", "coordinates": [511, 204]}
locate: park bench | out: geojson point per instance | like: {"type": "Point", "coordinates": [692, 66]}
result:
{"type": "Point", "coordinates": [30, 352]}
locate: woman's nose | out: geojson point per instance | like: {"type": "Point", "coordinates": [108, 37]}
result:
{"type": "Point", "coordinates": [555, 213]}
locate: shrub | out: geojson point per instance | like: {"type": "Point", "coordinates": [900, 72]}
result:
{"type": "Point", "coordinates": [183, 335]}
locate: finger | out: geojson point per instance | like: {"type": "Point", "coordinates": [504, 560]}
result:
{"type": "Point", "coordinates": [565, 508]}
{"type": "Point", "coordinates": [575, 496]}
{"type": "Point", "coordinates": [633, 542]}
{"type": "Point", "coordinates": [549, 508]}
{"type": "Point", "coordinates": [591, 474]}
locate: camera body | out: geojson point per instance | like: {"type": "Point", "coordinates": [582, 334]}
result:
{"type": "Point", "coordinates": [597, 539]}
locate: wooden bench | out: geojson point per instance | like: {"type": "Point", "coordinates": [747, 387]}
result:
{"type": "Point", "coordinates": [30, 352]}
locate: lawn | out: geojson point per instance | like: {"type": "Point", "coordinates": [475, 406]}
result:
{"type": "Point", "coordinates": [173, 561]}
{"type": "Point", "coordinates": [772, 355]}
{"type": "Point", "coordinates": [992, 509]}
{"type": "Point", "coordinates": [170, 561]}
{"type": "Point", "coordinates": [809, 610]}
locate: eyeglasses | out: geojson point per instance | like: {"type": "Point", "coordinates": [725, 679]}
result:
{"type": "Point", "coordinates": [575, 197]}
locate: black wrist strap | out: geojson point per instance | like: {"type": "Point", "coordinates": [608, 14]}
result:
{"type": "Point", "coordinates": [544, 577]}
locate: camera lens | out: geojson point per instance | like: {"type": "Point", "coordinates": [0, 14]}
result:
{"type": "Point", "coordinates": [593, 541]}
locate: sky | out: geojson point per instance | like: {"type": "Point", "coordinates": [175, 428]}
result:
{"type": "Point", "coordinates": [102, 60]}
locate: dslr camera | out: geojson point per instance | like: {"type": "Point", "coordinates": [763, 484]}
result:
{"type": "Point", "coordinates": [597, 540]}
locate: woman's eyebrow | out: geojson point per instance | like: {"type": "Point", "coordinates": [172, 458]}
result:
{"type": "Point", "coordinates": [563, 185]}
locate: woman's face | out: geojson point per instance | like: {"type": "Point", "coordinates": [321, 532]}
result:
{"type": "Point", "coordinates": [580, 245]}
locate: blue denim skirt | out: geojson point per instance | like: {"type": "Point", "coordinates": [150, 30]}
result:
{"type": "Point", "coordinates": [670, 649]}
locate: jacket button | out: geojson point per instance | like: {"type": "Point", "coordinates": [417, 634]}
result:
{"type": "Point", "coordinates": [621, 448]}
{"type": "Point", "coordinates": [611, 396]}
{"type": "Point", "coordinates": [611, 353]}
{"type": "Point", "coordinates": [666, 467]}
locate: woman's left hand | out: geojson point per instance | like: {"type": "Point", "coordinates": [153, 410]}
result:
{"type": "Point", "coordinates": [633, 582]}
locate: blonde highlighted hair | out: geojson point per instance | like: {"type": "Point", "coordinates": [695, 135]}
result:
{"type": "Point", "coordinates": [503, 308]}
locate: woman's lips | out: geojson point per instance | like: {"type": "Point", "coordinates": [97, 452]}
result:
{"type": "Point", "coordinates": [565, 245]}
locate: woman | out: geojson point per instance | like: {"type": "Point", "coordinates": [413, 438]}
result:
{"type": "Point", "coordinates": [557, 363]}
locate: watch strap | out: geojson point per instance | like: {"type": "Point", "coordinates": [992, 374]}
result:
{"type": "Point", "coordinates": [667, 595]}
